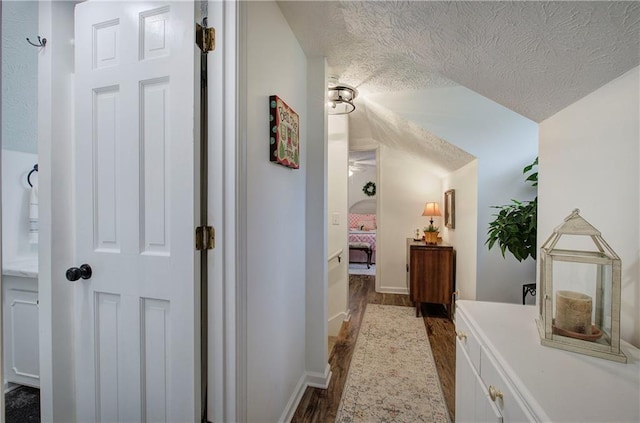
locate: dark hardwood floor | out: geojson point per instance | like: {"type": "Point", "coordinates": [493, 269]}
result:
{"type": "Point", "coordinates": [321, 405]}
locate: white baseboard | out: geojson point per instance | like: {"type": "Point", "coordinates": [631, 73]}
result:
{"type": "Point", "coordinates": [335, 322]}
{"type": "Point", "coordinates": [294, 400]}
{"type": "Point", "coordinates": [308, 379]}
{"type": "Point", "coordinates": [319, 380]}
{"type": "Point", "coordinates": [393, 290]}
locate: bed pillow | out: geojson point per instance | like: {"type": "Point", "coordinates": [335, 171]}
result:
{"type": "Point", "coordinates": [366, 222]}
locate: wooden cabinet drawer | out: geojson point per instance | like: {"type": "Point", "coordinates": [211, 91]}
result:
{"type": "Point", "coordinates": [509, 404]}
{"type": "Point", "coordinates": [468, 340]}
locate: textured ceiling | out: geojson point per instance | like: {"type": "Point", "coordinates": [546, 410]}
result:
{"type": "Point", "coordinates": [534, 58]}
{"type": "Point", "coordinates": [371, 121]}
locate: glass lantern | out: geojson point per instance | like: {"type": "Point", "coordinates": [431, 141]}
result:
{"type": "Point", "coordinates": [580, 291]}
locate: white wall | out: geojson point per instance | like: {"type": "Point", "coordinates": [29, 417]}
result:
{"type": "Point", "coordinates": [275, 218]}
{"type": "Point", "coordinates": [16, 166]}
{"type": "Point", "coordinates": [19, 76]}
{"type": "Point", "coordinates": [589, 159]}
{"type": "Point", "coordinates": [358, 180]}
{"type": "Point", "coordinates": [337, 203]}
{"type": "Point", "coordinates": [405, 185]}
{"type": "Point", "coordinates": [464, 235]}
{"type": "Point", "coordinates": [504, 142]}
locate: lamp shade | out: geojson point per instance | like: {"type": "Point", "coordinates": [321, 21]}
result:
{"type": "Point", "coordinates": [431, 209]}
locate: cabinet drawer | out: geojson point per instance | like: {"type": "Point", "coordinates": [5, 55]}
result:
{"type": "Point", "coordinates": [509, 404]}
{"type": "Point", "coordinates": [473, 404]}
{"type": "Point", "coordinates": [468, 340]}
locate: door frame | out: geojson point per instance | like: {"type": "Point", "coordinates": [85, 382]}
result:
{"type": "Point", "coordinates": [56, 214]}
{"type": "Point", "coordinates": [374, 146]}
{"type": "Point", "coordinates": [227, 213]}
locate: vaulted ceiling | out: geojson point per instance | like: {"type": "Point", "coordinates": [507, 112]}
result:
{"type": "Point", "coordinates": [532, 57]}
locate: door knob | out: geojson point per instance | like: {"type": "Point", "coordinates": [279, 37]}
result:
{"type": "Point", "coordinates": [75, 273]}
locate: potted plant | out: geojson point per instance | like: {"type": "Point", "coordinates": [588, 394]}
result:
{"type": "Point", "coordinates": [515, 226]}
{"type": "Point", "coordinates": [431, 234]}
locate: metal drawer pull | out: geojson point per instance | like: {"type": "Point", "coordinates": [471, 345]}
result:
{"type": "Point", "coordinates": [462, 335]}
{"type": "Point", "coordinates": [495, 393]}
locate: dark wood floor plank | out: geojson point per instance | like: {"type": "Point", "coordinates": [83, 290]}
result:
{"type": "Point", "coordinates": [441, 333]}
{"type": "Point", "coordinates": [321, 405]}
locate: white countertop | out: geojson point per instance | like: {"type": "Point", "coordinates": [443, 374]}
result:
{"type": "Point", "coordinates": [26, 267]}
{"type": "Point", "coordinates": [567, 386]}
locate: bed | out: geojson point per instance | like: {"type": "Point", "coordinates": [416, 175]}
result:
{"type": "Point", "coordinates": [362, 238]}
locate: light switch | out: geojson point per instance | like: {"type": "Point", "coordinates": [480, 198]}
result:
{"type": "Point", "coordinates": [335, 218]}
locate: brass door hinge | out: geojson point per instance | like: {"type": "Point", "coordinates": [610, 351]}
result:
{"type": "Point", "coordinates": [205, 238]}
{"type": "Point", "coordinates": [205, 38]}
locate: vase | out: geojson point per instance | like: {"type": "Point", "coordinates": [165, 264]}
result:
{"type": "Point", "coordinates": [431, 237]}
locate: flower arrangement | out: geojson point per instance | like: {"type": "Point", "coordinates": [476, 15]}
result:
{"type": "Point", "coordinates": [431, 234]}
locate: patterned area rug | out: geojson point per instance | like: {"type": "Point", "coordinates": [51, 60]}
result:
{"type": "Point", "coordinates": [392, 376]}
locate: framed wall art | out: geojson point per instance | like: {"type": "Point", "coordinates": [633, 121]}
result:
{"type": "Point", "coordinates": [284, 134]}
{"type": "Point", "coordinates": [450, 209]}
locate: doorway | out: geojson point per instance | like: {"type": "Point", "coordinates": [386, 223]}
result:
{"type": "Point", "coordinates": [362, 218]}
{"type": "Point", "coordinates": [55, 73]}
{"type": "Point", "coordinates": [20, 237]}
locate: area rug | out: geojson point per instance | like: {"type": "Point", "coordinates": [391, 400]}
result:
{"type": "Point", "coordinates": [392, 376]}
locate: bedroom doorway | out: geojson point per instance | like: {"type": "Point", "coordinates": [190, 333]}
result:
{"type": "Point", "coordinates": [363, 204]}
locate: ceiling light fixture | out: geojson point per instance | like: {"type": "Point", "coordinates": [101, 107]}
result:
{"type": "Point", "coordinates": [341, 98]}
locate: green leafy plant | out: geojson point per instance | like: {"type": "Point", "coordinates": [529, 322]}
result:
{"type": "Point", "coordinates": [431, 228]}
{"type": "Point", "coordinates": [515, 227]}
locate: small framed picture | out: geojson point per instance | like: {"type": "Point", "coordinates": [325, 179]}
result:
{"type": "Point", "coordinates": [284, 134]}
{"type": "Point", "coordinates": [450, 209]}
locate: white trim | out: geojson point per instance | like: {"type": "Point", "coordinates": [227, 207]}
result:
{"type": "Point", "coordinates": [227, 352]}
{"type": "Point", "coordinates": [56, 140]}
{"type": "Point", "coordinates": [379, 221]}
{"type": "Point", "coordinates": [335, 322]}
{"type": "Point", "coordinates": [319, 380]}
{"type": "Point", "coordinates": [294, 400]}
{"type": "Point", "coordinates": [240, 205]}
{"type": "Point", "coordinates": [316, 224]}
{"type": "Point", "coordinates": [307, 380]}
{"type": "Point", "coordinates": [393, 290]}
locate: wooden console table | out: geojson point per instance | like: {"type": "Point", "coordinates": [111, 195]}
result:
{"type": "Point", "coordinates": [430, 273]}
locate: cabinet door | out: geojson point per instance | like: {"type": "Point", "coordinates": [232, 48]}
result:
{"type": "Point", "coordinates": [22, 363]}
{"type": "Point", "coordinates": [432, 275]}
{"type": "Point", "coordinates": [473, 403]}
{"type": "Point", "coordinates": [486, 410]}
{"type": "Point", "coordinates": [465, 386]}
{"type": "Point", "coordinates": [510, 405]}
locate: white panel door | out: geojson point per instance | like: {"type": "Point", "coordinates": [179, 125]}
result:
{"type": "Point", "coordinates": [137, 317]}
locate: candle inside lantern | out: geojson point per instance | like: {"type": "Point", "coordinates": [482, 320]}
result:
{"type": "Point", "coordinates": [573, 312]}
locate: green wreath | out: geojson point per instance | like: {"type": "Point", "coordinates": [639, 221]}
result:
{"type": "Point", "coordinates": [369, 189]}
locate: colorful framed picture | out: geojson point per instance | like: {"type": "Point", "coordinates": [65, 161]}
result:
{"type": "Point", "coordinates": [284, 133]}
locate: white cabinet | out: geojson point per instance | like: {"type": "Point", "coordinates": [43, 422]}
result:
{"type": "Point", "coordinates": [478, 407]}
{"type": "Point", "coordinates": [20, 330]}
{"type": "Point", "coordinates": [504, 374]}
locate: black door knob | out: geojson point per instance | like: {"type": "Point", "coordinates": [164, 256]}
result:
{"type": "Point", "coordinates": [75, 273]}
